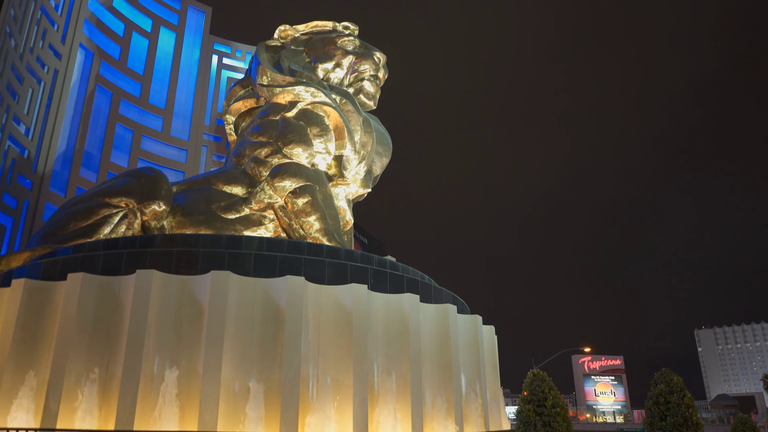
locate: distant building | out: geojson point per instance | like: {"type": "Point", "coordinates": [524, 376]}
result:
{"type": "Point", "coordinates": [366, 242]}
{"type": "Point", "coordinates": [733, 358]}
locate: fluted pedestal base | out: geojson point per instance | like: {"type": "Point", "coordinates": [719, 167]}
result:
{"type": "Point", "coordinates": [218, 351]}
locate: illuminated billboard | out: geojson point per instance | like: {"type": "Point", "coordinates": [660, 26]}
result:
{"type": "Point", "coordinates": [605, 393]}
{"type": "Point", "coordinates": [601, 387]}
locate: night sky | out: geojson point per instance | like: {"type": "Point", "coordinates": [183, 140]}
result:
{"type": "Point", "coordinates": [580, 173]}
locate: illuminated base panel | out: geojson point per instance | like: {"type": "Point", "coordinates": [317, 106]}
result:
{"type": "Point", "coordinates": [155, 351]}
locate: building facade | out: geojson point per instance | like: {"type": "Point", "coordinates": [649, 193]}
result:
{"type": "Point", "coordinates": [732, 358]}
{"type": "Point", "coordinates": [91, 88]}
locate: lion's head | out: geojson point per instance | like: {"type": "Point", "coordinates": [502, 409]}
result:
{"type": "Point", "coordinates": [333, 52]}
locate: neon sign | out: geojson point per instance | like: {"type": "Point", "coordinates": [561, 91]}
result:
{"type": "Point", "coordinates": [597, 364]}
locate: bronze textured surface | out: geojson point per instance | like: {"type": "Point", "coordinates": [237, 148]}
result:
{"type": "Point", "coordinates": [304, 149]}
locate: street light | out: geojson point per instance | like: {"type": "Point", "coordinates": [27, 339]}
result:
{"type": "Point", "coordinates": [584, 349]}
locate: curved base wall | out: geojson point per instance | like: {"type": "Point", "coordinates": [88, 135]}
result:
{"type": "Point", "coordinates": [156, 351]}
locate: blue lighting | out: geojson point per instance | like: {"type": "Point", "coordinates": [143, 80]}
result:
{"type": "Point", "coordinates": [160, 11]}
{"type": "Point", "coordinates": [203, 158]}
{"type": "Point", "coordinates": [239, 52]}
{"type": "Point", "coordinates": [187, 80]}
{"type": "Point", "coordinates": [211, 82]}
{"type": "Point", "coordinates": [54, 51]}
{"type": "Point", "coordinates": [221, 47]}
{"type": "Point", "coordinates": [27, 183]}
{"type": "Point", "coordinates": [121, 145]}
{"type": "Point", "coordinates": [10, 171]}
{"type": "Point", "coordinates": [233, 62]}
{"type": "Point", "coordinates": [12, 92]}
{"type": "Point", "coordinates": [21, 126]}
{"type": "Point", "coordinates": [223, 87]}
{"type": "Point", "coordinates": [173, 175]}
{"type": "Point", "coordinates": [119, 79]}
{"type": "Point", "coordinates": [45, 117]}
{"type": "Point", "coordinates": [17, 145]}
{"type": "Point", "coordinates": [17, 74]}
{"type": "Point", "coordinates": [163, 149]}
{"type": "Point", "coordinates": [79, 190]}
{"type": "Point", "coordinates": [137, 55]}
{"type": "Point", "coordinates": [66, 21]}
{"type": "Point", "coordinates": [219, 121]}
{"type": "Point", "coordinates": [49, 210]}
{"type": "Point", "coordinates": [97, 130]}
{"type": "Point", "coordinates": [101, 40]}
{"type": "Point", "coordinates": [110, 174]}
{"type": "Point", "coordinates": [161, 76]}
{"type": "Point", "coordinates": [106, 17]}
{"type": "Point", "coordinates": [45, 13]}
{"type": "Point", "coordinates": [42, 65]}
{"type": "Point", "coordinates": [133, 14]}
{"type": "Point", "coordinates": [10, 201]}
{"type": "Point", "coordinates": [21, 224]}
{"type": "Point", "coordinates": [72, 114]}
{"type": "Point", "coordinates": [7, 222]}
{"type": "Point", "coordinates": [176, 4]}
{"type": "Point", "coordinates": [140, 115]}
{"type": "Point", "coordinates": [218, 157]}
{"type": "Point", "coordinates": [212, 137]}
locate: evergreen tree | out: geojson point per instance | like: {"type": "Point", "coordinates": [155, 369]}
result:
{"type": "Point", "coordinates": [744, 423]}
{"type": "Point", "coordinates": [669, 406]}
{"type": "Point", "coordinates": [542, 408]}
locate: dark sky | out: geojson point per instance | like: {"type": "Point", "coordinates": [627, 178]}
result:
{"type": "Point", "coordinates": [579, 172]}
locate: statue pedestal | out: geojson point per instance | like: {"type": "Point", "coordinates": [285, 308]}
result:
{"type": "Point", "coordinates": [221, 333]}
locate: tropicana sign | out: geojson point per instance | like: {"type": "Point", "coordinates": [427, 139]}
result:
{"type": "Point", "coordinates": [597, 364]}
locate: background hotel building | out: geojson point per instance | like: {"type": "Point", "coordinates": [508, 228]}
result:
{"type": "Point", "coordinates": [733, 358]}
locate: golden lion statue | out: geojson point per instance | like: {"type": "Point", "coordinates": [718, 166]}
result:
{"type": "Point", "coordinates": [304, 150]}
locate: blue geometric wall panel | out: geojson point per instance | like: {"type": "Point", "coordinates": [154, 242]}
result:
{"type": "Point", "coordinates": [91, 88]}
{"type": "Point", "coordinates": [34, 40]}
{"type": "Point", "coordinates": [228, 63]}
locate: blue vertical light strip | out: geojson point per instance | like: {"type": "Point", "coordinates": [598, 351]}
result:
{"type": "Point", "coordinates": [161, 75]}
{"type": "Point", "coordinates": [10, 171]}
{"type": "Point", "coordinates": [21, 225]}
{"type": "Point", "coordinates": [137, 54]}
{"type": "Point", "coordinates": [97, 130]}
{"type": "Point", "coordinates": [211, 86]}
{"type": "Point", "coordinates": [45, 118]}
{"type": "Point", "coordinates": [190, 61]}
{"type": "Point", "coordinates": [66, 21]}
{"type": "Point", "coordinates": [65, 150]}
{"type": "Point", "coordinates": [121, 145]}
{"type": "Point", "coordinates": [7, 222]}
{"type": "Point", "coordinates": [203, 158]}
